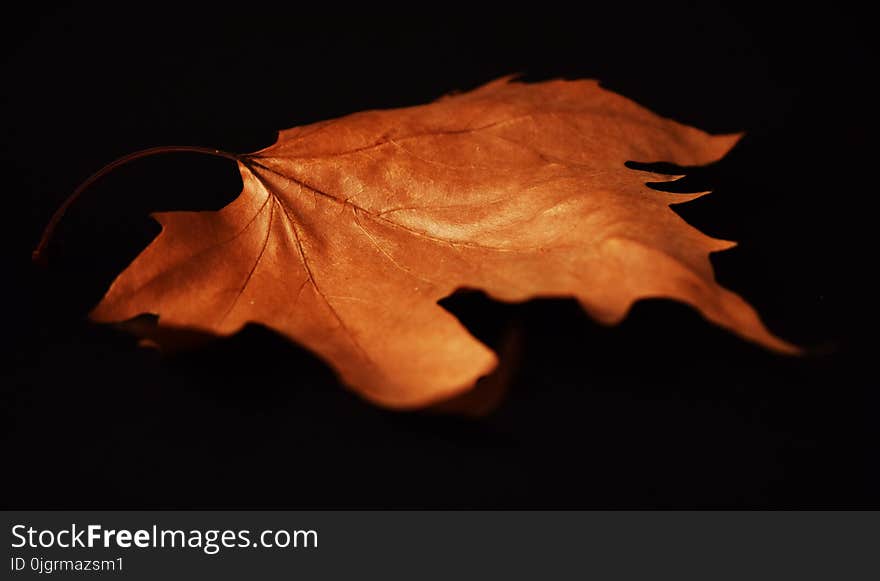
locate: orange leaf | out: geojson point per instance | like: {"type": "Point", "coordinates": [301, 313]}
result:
{"type": "Point", "coordinates": [349, 231]}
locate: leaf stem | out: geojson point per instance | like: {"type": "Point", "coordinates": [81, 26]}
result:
{"type": "Point", "coordinates": [39, 253]}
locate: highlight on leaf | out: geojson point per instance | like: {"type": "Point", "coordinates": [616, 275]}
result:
{"type": "Point", "coordinates": [348, 232]}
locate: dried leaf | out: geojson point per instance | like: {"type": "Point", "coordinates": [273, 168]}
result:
{"type": "Point", "coordinates": [349, 231]}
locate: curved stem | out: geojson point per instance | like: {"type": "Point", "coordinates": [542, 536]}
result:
{"type": "Point", "coordinates": [39, 252]}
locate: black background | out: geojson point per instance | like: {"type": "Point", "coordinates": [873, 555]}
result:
{"type": "Point", "coordinates": [662, 411]}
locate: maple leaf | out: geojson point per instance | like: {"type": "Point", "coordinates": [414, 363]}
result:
{"type": "Point", "coordinates": [348, 232]}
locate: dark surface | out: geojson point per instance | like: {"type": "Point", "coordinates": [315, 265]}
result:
{"type": "Point", "coordinates": [662, 411]}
